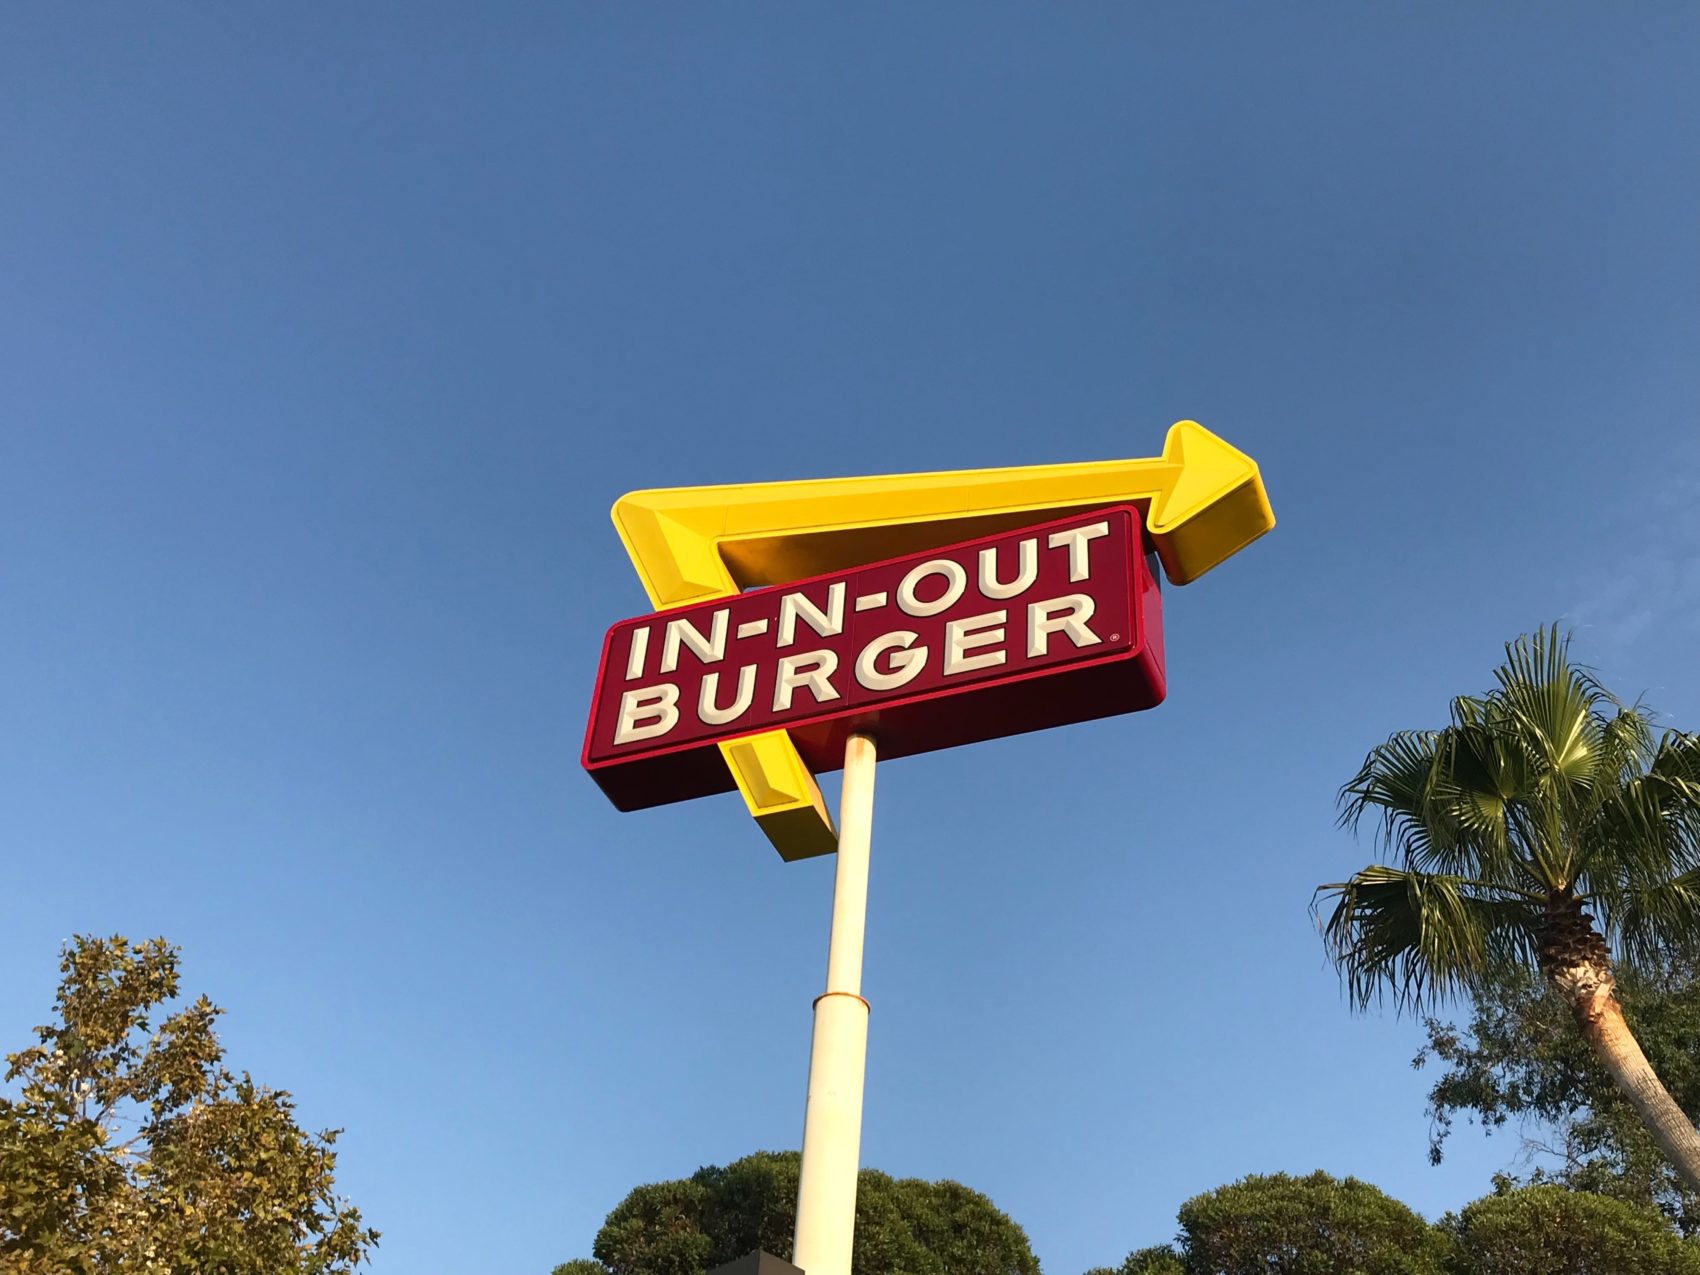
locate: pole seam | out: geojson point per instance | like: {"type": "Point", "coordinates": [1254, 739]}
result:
{"type": "Point", "coordinates": [851, 995]}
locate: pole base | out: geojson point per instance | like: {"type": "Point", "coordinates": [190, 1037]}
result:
{"type": "Point", "coordinates": [757, 1263]}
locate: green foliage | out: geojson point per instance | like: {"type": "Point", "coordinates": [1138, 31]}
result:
{"type": "Point", "coordinates": [580, 1266]}
{"type": "Point", "coordinates": [1545, 789]}
{"type": "Point", "coordinates": [903, 1226]}
{"type": "Point", "coordinates": [1542, 1230]}
{"type": "Point", "coordinates": [1315, 1225]}
{"type": "Point", "coordinates": [130, 1146]}
{"type": "Point", "coordinates": [658, 1230]}
{"type": "Point", "coordinates": [1520, 1059]}
{"type": "Point", "coordinates": [1160, 1259]}
{"type": "Point", "coordinates": [1319, 1225]}
{"type": "Point", "coordinates": [1276, 1224]}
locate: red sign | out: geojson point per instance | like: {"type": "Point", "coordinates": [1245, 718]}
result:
{"type": "Point", "coordinates": [1038, 627]}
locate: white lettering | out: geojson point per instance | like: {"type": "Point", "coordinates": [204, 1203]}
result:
{"type": "Point", "coordinates": [707, 649]}
{"type": "Point", "coordinates": [1066, 614]}
{"type": "Point", "coordinates": [636, 656]}
{"type": "Point", "coordinates": [962, 636]}
{"type": "Point", "coordinates": [1027, 568]}
{"type": "Point", "coordinates": [1075, 538]}
{"type": "Point", "coordinates": [821, 665]}
{"type": "Point", "coordinates": [906, 664]}
{"type": "Point", "coordinates": [825, 624]}
{"type": "Point", "coordinates": [647, 712]}
{"type": "Point", "coordinates": [715, 716]}
{"type": "Point", "coordinates": [956, 579]}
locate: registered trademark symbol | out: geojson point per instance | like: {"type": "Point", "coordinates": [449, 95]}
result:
{"type": "Point", "coordinates": [1115, 637]}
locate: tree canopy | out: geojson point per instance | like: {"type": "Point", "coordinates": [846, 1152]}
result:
{"type": "Point", "coordinates": [1276, 1224]}
{"type": "Point", "coordinates": [904, 1226]}
{"type": "Point", "coordinates": [1544, 1230]}
{"type": "Point", "coordinates": [131, 1146]}
{"type": "Point", "coordinates": [1159, 1259]}
{"type": "Point", "coordinates": [1319, 1225]}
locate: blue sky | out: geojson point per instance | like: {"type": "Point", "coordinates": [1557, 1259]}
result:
{"type": "Point", "coordinates": [328, 336]}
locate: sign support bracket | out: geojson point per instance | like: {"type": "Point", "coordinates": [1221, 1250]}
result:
{"type": "Point", "coordinates": [838, 1053]}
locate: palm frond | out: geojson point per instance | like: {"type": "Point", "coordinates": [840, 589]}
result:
{"type": "Point", "coordinates": [1441, 800]}
{"type": "Point", "coordinates": [1675, 767]}
{"type": "Point", "coordinates": [1627, 745]}
{"type": "Point", "coordinates": [1557, 705]}
{"type": "Point", "coordinates": [1658, 922]}
{"type": "Point", "coordinates": [1505, 759]}
{"type": "Point", "coordinates": [1392, 786]}
{"type": "Point", "coordinates": [1473, 788]}
{"type": "Point", "coordinates": [1422, 938]}
{"type": "Point", "coordinates": [1644, 854]}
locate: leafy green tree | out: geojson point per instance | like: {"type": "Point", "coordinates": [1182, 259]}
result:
{"type": "Point", "coordinates": [1520, 1059]}
{"type": "Point", "coordinates": [1158, 1260]}
{"type": "Point", "coordinates": [1540, 799]}
{"type": "Point", "coordinates": [1277, 1224]}
{"type": "Point", "coordinates": [1318, 1225]}
{"type": "Point", "coordinates": [904, 1226]}
{"type": "Point", "coordinates": [1161, 1259]}
{"type": "Point", "coordinates": [131, 1147]}
{"type": "Point", "coordinates": [1547, 1230]}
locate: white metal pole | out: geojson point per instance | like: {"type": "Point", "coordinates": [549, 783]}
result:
{"type": "Point", "coordinates": [832, 1122]}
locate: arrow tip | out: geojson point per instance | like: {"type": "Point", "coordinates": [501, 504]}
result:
{"type": "Point", "coordinates": [1209, 475]}
{"type": "Point", "coordinates": [1207, 469]}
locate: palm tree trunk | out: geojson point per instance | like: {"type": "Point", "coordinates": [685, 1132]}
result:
{"type": "Point", "coordinates": [1578, 963]}
{"type": "Point", "coordinates": [1615, 1045]}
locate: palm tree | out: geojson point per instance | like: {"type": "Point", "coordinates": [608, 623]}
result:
{"type": "Point", "coordinates": [1542, 801]}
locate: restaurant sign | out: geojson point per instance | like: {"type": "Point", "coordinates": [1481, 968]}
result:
{"type": "Point", "coordinates": [1041, 626]}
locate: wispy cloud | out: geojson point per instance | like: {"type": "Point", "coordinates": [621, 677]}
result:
{"type": "Point", "coordinates": [1649, 562]}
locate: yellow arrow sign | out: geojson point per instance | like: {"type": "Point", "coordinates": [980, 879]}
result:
{"type": "Point", "coordinates": [1203, 501]}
